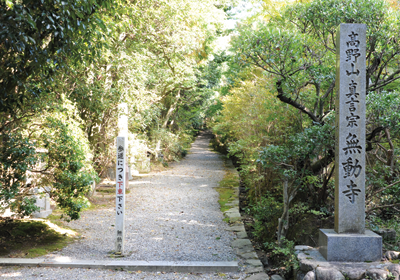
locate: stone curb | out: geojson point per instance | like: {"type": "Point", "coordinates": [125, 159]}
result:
{"type": "Point", "coordinates": [242, 245]}
{"type": "Point", "coordinates": [151, 266]}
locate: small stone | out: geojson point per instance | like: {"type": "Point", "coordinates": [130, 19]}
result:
{"type": "Point", "coordinates": [387, 234]}
{"type": "Point", "coordinates": [302, 248]}
{"type": "Point", "coordinates": [300, 275]}
{"type": "Point", "coordinates": [264, 260]}
{"type": "Point", "coordinates": [376, 274]}
{"type": "Point", "coordinates": [277, 277]}
{"type": "Point", "coordinates": [392, 255]}
{"type": "Point", "coordinates": [355, 274]}
{"type": "Point", "coordinates": [259, 276]}
{"type": "Point", "coordinates": [309, 276]}
{"type": "Point", "coordinates": [394, 269]}
{"type": "Point", "coordinates": [324, 273]}
{"type": "Point", "coordinates": [305, 265]}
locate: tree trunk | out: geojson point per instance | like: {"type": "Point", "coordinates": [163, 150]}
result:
{"type": "Point", "coordinates": [283, 221]}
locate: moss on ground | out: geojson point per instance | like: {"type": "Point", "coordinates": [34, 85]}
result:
{"type": "Point", "coordinates": [108, 190]}
{"type": "Point", "coordinates": [226, 189]}
{"type": "Point", "coordinates": [32, 238]}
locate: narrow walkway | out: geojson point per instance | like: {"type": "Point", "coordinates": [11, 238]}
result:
{"type": "Point", "coordinates": [172, 215]}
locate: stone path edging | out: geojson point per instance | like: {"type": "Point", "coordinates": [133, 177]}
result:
{"type": "Point", "coordinates": [242, 245]}
{"type": "Point", "coordinates": [152, 266]}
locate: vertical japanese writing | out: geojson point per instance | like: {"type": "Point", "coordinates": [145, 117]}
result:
{"type": "Point", "coordinates": [120, 193]}
{"type": "Point", "coordinates": [352, 147]}
{"type": "Point", "coordinates": [352, 192]}
{"type": "Point", "coordinates": [119, 177]}
{"type": "Point", "coordinates": [350, 128]}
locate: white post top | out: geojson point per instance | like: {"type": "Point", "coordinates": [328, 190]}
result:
{"type": "Point", "coordinates": [123, 119]}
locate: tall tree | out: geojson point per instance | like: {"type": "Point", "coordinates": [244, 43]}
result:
{"type": "Point", "coordinates": [36, 39]}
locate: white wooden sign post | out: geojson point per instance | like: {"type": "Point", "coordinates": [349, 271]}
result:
{"type": "Point", "coordinates": [121, 180]}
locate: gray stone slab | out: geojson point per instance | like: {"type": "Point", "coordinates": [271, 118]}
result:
{"type": "Point", "coordinates": [74, 263]}
{"type": "Point", "coordinates": [258, 276]}
{"type": "Point", "coordinates": [311, 259]}
{"type": "Point", "coordinates": [250, 255]}
{"type": "Point", "coordinates": [254, 262]}
{"type": "Point", "coordinates": [20, 262]}
{"type": "Point", "coordinates": [241, 235]}
{"type": "Point", "coordinates": [276, 277]}
{"type": "Point", "coordinates": [233, 203]}
{"type": "Point", "coordinates": [233, 210]}
{"type": "Point", "coordinates": [166, 266]}
{"type": "Point", "coordinates": [350, 129]}
{"type": "Point", "coordinates": [239, 243]}
{"type": "Point", "coordinates": [244, 250]}
{"type": "Point", "coordinates": [152, 266]}
{"type": "Point", "coordinates": [233, 217]}
{"type": "Point", "coordinates": [252, 269]}
{"type": "Point", "coordinates": [236, 228]}
{"type": "Point", "coordinates": [350, 247]}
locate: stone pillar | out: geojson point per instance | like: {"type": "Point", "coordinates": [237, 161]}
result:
{"type": "Point", "coordinates": [350, 129]}
{"type": "Point", "coordinates": [349, 241]}
{"type": "Point", "coordinates": [121, 180]}
{"type": "Point", "coordinates": [43, 202]}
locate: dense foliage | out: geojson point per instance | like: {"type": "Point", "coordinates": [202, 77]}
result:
{"type": "Point", "coordinates": [66, 66]}
{"type": "Point", "coordinates": [278, 113]}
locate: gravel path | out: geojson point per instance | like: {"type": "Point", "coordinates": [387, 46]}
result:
{"type": "Point", "coordinates": [172, 215]}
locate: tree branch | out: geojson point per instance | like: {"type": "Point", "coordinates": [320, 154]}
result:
{"type": "Point", "coordinates": [382, 206]}
{"type": "Point", "coordinates": [390, 79]}
{"type": "Point", "coordinates": [385, 188]}
{"type": "Point", "coordinates": [371, 135]}
{"type": "Point", "coordinates": [290, 101]}
{"type": "Point", "coordinates": [316, 167]}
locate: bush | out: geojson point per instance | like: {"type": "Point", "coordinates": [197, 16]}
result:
{"type": "Point", "coordinates": [265, 213]}
{"type": "Point", "coordinates": [172, 146]}
{"type": "Point", "coordinates": [54, 151]}
{"type": "Point", "coordinates": [282, 256]}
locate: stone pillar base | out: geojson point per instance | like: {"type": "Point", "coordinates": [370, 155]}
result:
{"type": "Point", "coordinates": [350, 247]}
{"type": "Point", "coordinates": [42, 214]}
